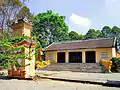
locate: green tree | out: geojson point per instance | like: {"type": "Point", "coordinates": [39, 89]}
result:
{"type": "Point", "coordinates": [9, 53]}
{"type": "Point", "coordinates": [91, 34]}
{"type": "Point", "coordinates": [49, 27]}
{"type": "Point", "coordinates": [81, 37]}
{"type": "Point", "coordinates": [98, 33]}
{"type": "Point", "coordinates": [8, 11]}
{"type": "Point", "coordinates": [25, 12]}
{"type": "Point", "coordinates": [115, 31]}
{"type": "Point", "coordinates": [6, 56]}
{"type": "Point", "coordinates": [106, 31]}
{"type": "Point", "coordinates": [73, 35]}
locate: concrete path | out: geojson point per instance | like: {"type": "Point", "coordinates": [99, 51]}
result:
{"type": "Point", "coordinates": [111, 79]}
{"type": "Point", "coordinates": [14, 84]}
{"type": "Point", "coordinates": [107, 79]}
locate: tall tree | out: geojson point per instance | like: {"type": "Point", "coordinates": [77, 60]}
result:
{"type": "Point", "coordinates": [106, 31]}
{"type": "Point", "coordinates": [8, 11]}
{"type": "Point", "coordinates": [73, 35]}
{"type": "Point", "coordinates": [81, 37]}
{"type": "Point", "coordinates": [115, 31]}
{"type": "Point", "coordinates": [49, 27]}
{"type": "Point", "coordinates": [25, 12]}
{"type": "Point", "coordinates": [91, 34]}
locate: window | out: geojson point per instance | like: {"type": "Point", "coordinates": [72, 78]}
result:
{"type": "Point", "coordinates": [50, 56]}
{"type": "Point", "coordinates": [104, 55]}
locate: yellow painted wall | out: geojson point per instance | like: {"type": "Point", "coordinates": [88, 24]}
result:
{"type": "Point", "coordinates": [21, 28]}
{"type": "Point", "coordinates": [26, 31]}
{"type": "Point", "coordinates": [111, 53]}
{"type": "Point", "coordinates": [98, 53]}
{"type": "Point", "coordinates": [54, 53]}
{"type": "Point", "coordinates": [118, 55]}
{"type": "Point", "coordinates": [30, 69]}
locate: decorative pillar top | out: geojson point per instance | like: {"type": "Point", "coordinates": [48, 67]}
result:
{"type": "Point", "coordinates": [21, 27]}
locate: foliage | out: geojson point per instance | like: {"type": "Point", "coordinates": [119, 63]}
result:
{"type": "Point", "coordinates": [106, 64]}
{"type": "Point", "coordinates": [81, 37]}
{"type": "Point", "coordinates": [6, 56]}
{"type": "Point", "coordinates": [8, 11]}
{"type": "Point", "coordinates": [41, 63]}
{"type": "Point", "coordinates": [75, 36]}
{"type": "Point", "coordinates": [17, 39]}
{"type": "Point", "coordinates": [49, 27]}
{"type": "Point", "coordinates": [38, 46]}
{"type": "Point", "coordinates": [9, 54]}
{"type": "Point", "coordinates": [115, 65]}
{"type": "Point", "coordinates": [92, 34]}
{"type": "Point", "coordinates": [106, 31]}
{"type": "Point", "coordinates": [25, 12]}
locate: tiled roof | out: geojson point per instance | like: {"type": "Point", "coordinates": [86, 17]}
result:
{"type": "Point", "coordinates": [82, 44]}
{"type": "Point", "coordinates": [26, 43]}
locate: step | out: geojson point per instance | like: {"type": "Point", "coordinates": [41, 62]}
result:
{"type": "Point", "coordinates": [77, 67]}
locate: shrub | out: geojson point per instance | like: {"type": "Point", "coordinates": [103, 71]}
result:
{"type": "Point", "coordinates": [116, 65]}
{"type": "Point", "coordinates": [106, 64]}
{"type": "Point", "coordinates": [41, 63]}
{"type": "Point", "coordinates": [17, 39]}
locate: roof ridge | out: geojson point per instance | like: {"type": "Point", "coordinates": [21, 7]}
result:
{"type": "Point", "coordinates": [81, 40]}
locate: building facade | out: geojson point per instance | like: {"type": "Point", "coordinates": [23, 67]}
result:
{"type": "Point", "coordinates": [84, 51]}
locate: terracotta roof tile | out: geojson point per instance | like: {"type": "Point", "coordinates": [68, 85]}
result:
{"type": "Point", "coordinates": [82, 44]}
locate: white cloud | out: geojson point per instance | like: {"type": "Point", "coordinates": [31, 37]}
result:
{"type": "Point", "coordinates": [79, 20]}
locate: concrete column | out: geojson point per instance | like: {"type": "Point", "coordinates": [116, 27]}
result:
{"type": "Point", "coordinates": [55, 56]}
{"type": "Point", "coordinates": [96, 55]}
{"type": "Point", "coordinates": [83, 56]}
{"type": "Point", "coordinates": [66, 56]}
{"type": "Point", "coordinates": [113, 52]}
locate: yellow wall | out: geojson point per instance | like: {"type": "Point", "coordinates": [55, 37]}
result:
{"type": "Point", "coordinates": [30, 69]}
{"type": "Point", "coordinates": [118, 55]}
{"type": "Point", "coordinates": [22, 28]}
{"type": "Point", "coordinates": [111, 53]}
{"type": "Point", "coordinates": [54, 55]}
{"type": "Point", "coordinates": [98, 53]}
{"type": "Point", "coordinates": [26, 31]}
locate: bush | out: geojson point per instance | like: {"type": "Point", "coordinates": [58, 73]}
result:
{"type": "Point", "coordinates": [41, 63]}
{"type": "Point", "coordinates": [106, 64]}
{"type": "Point", "coordinates": [115, 65]}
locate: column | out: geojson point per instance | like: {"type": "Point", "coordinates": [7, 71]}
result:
{"type": "Point", "coordinates": [55, 56]}
{"type": "Point", "coordinates": [66, 56]}
{"type": "Point", "coordinates": [83, 56]}
{"type": "Point", "coordinates": [97, 58]}
{"type": "Point", "coordinates": [113, 52]}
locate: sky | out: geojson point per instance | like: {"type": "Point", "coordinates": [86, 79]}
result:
{"type": "Point", "coordinates": [81, 15]}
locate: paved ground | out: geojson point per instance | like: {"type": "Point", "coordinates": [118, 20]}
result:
{"type": "Point", "coordinates": [15, 84]}
{"type": "Point", "coordinates": [93, 77]}
{"type": "Point", "coordinates": [45, 84]}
